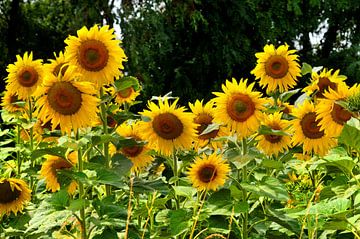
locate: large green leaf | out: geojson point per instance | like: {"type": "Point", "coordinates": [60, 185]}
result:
{"type": "Point", "coordinates": [350, 135]}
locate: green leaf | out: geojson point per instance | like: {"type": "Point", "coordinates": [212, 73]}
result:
{"type": "Point", "coordinates": [300, 100]}
{"type": "Point", "coordinates": [121, 164]}
{"type": "Point", "coordinates": [126, 82]}
{"type": "Point", "coordinates": [100, 139]}
{"type": "Point", "coordinates": [184, 191]}
{"type": "Point", "coordinates": [287, 94]}
{"type": "Point", "coordinates": [149, 186]}
{"type": "Point", "coordinates": [210, 128]}
{"type": "Point", "coordinates": [108, 176]}
{"type": "Point", "coordinates": [56, 151]}
{"type": "Point", "coordinates": [108, 208]}
{"type": "Point", "coordinates": [344, 163]}
{"type": "Point", "coordinates": [350, 135]}
{"type": "Point", "coordinates": [264, 129]}
{"type": "Point", "coordinates": [77, 204]}
{"type": "Point", "coordinates": [60, 199]}
{"type": "Point", "coordinates": [282, 219]}
{"type": "Point", "coordinates": [107, 233]}
{"type": "Point", "coordinates": [179, 221]}
{"type": "Point", "coordinates": [336, 225]}
{"type": "Point", "coordinates": [268, 187]}
{"type": "Point", "coordinates": [268, 163]}
{"type": "Point", "coordinates": [306, 69]}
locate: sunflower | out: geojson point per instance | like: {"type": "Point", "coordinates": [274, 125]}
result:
{"type": "Point", "coordinates": [39, 130]}
{"type": "Point", "coordinates": [307, 130]}
{"type": "Point", "coordinates": [96, 53]}
{"type": "Point", "coordinates": [277, 68]}
{"type": "Point", "coordinates": [204, 116]}
{"type": "Point", "coordinates": [25, 75]}
{"type": "Point", "coordinates": [274, 144]}
{"type": "Point", "coordinates": [10, 102]}
{"type": "Point", "coordinates": [50, 167]}
{"type": "Point", "coordinates": [127, 95]}
{"type": "Point", "coordinates": [14, 194]}
{"type": "Point", "coordinates": [67, 102]}
{"type": "Point", "coordinates": [56, 65]}
{"type": "Point", "coordinates": [331, 115]}
{"type": "Point", "coordinates": [138, 154]}
{"type": "Point", "coordinates": [208, 172]}
{"type": "Point", "coordinates": [239, 107]}
{"type": "Point", "coordinates": [323, 82]}
{"type": "Point", "coordinates": [169, 127]}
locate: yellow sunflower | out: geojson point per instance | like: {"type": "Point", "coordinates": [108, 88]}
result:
{"type": "Point", "coordinates": [138, 154]}
{"type": "Point", "coordinates": [204, 116]}
{"type": "Point", "coordinates": [50, 167]}
{"type": "Point", "coordinates": [169, 127]}
{"type": "Point", "coordinates": [208, 172]}
{"type": "Point", "coordinates": [307, 131]}
{"type": "Point", "coordinates": [67, 102]}
{"type": "Point", "coordinates": [239, 107]}
{"type": "Point", "coordinates": [25, 75]}
{"type": "Point", "coordinates": [39, 130]}
{"type": "Point", "coordinates": [57, 64]}
{"type": "Point", "coordinates": [9, 101]}
{"type": "Point", "coordinates": [96, 53]}
{"type": "Point", "coordinates": [127, 95]}
{"type": "Point", "coordinates": [275, 144]}
{"type": "Point", "coordinates": [323, 82]}
{"type": "Point", "coordinates": [277, 68]}
{"type": "Point", "coordinates": [14, 194]}
{"type": "Point", "coordinates": [331, 115]}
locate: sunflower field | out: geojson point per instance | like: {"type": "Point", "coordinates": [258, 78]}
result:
{"type": "Point", "coordinates": [261, 159]}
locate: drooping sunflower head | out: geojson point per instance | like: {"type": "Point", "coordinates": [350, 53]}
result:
{"type": "Point", "coordinates": [331, 115]}
{"type": "Point", "coordinates": [11, 102]}
{"type": "Point", "coordinates": [97, 54]}
{"type": "Point", "coordinates": [25, 75]}
{"type": "Point", "coordinates": [274, 144]}
{"type": "Point", "coordinates": [169, 128]}
{"type": "Point", "coordinates": [14, 194]}
{"type": "Point", "coordinates": [239, 107]}
{"type": "Point", "coordinates": [277, 69]}
{"type": "Point", "coordinates": [204, 117]}
{"type": "Point", "coordinates": [138, 154]}
{"type": "Point", "coordinates": [353, 100]}
{"type": "Point", "coordinates": [67, 102]}
{"type": "Point", "coordinates": [50, 168]}
{"type": "Point", "coordinates": [40, 129]}
{"type": "Point", "coordinates": [58, 65]}
{"type": "Point", "coordinates": [320, 83]}
{"type": "Point", "coordinates": [308, 132]}
{"type": "Point", "coordinates": [126, 95]}
{"type": "Point", "coordinates": [208, 172]}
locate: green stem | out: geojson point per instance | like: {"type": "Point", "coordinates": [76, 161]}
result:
{"type": "Point", "coordinates": [18, 151]}
{"type": "Point", "coordinates": [81, 192]}
{"type": "Point", "coordinates": [106, 144]}
{"type": "Point", "coordinates": [244, 192]}
{"type": "Point", "coordinates": [176, 175]}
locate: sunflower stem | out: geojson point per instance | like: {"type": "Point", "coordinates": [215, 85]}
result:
{"type": "Point", "coordinates": [244, 179]}
{"type": "Point", "coordinates": [202, 202]}
{"type": "Point", "coordinates": [32, 182]}
{"type": "Point", "coordinates": [18, 151]}
{"type": "Point", "coordinates": [106, 144]}
{"type": "Point", "coordinates": [175, 171]}
{"type": "Point", "coordinates": [81, 192]}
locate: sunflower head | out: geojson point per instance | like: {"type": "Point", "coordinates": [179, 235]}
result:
{"type": "Point", "coordinates": [353, 100]}
{"type": "Point", "coordinates": [208, 172]}
{"type": "Point", "coordinates": [308, 132]}
{"type": "Point", "coordinates": [14, 194]}
{"type": "Point", "coordinates": [169, 127]}
{"type": "Point", "coordinates": [50, 168]}
{"type": "Point", "coordinates": [275, 143]}
{"type": "Point", "coordinates": [97, 54]}
{"type": "Point", "coordinates": [277, 69]}
{"type": "Point", "coordinates": [25, 75]}
{"type": "Point", "coordinates": [326, 80]}
{"type": "Point", "coordinates": [67, 102]}
{"type": "Point", "coordinates": [139, 155]}
{"type": "Point", "coordinates": [12, 103]}
{"type": "Point", "coordinates": [58, 65]}
{"type": "Point", "coordinates": [239, 107]}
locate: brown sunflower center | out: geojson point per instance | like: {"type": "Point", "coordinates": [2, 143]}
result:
{"type": "Point", "coordinates": [28, 77]}
{"type": "Point", "coordinates": [61, 164]}
{"type": "Point", "coordinates": [207, 173]}
{"type": "Point", "coordinates": [324, 84]}
{"type": "Point", "coordinates": [93, 55]}
{"type": "Point", "coordinates": [277, 66]}
{"type": "Point", "coordinates": [309, 126]}
{"type": "Point", "coordinates": [340, 115]}
{"type": "Point", "coordinates": [64, 98]}
{"type": "Point", "coordinates": [204, 120]}
{"type": "Point", "coordinates": [272, 138]}
{"type": "Point", "coordinates": [59, 67]}
{"type": "Point", "coordinates": [240, 107]}
{"type": "Point", "coordinates": [125, 93]}
{"type": "Point", "coordinates": [8, 194]}
{"type": "Point", "coordinates": [111, 122]}
{"type": "Point", "coordinates": [132, 151]}
{"type": "Point", "coordinates": [14, 99]}
{"type": "Point", "coordinates": [167, 126]}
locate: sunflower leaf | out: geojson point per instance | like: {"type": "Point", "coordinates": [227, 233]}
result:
{"type": "Point", "coordinates": [210, 128]}
{"type": "Point", "coordinates": [350, 134]}
{"type": "Point", "coordinates": [264, 129]}
{"type": "Point", "coordinates": [287, 94]}
{"type": "Point", "coordinates": [306, 69]}
{"type": "Point", "coordinates": [56, 151]}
